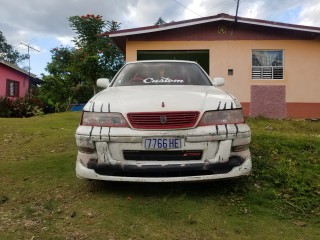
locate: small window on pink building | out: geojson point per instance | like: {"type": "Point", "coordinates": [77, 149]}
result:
{"type": "Point", "coordinates": [12, 88]}
{"type": "Point", "coordinates": [267, 64]}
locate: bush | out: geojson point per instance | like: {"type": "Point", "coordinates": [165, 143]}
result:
{"type": "Point", "coordinates": [20, 107]}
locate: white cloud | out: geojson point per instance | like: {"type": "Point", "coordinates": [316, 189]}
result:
{"type": "Point", "coordinates": [310, 15]}
{"type": "Point", "coordinates": [147, 12]}
{"type": "Point", "coordinates": [65, 40]}
{"type": "Point", "coordinates": [251, 9]}
{"type": "Point", "coordinates": [47, 21]}
{"type": "Point", "coordinates": [196, 8]}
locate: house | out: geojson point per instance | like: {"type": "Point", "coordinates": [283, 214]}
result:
{"type": "Point", "coordinates": [14, 81]}
{"type": "Point", "coordinates": [272, 68]}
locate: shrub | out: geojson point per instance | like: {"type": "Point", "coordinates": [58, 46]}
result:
{"type": "Point", "coordinates": [20, 107]}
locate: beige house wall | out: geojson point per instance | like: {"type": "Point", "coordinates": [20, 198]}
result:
{"type": "Point", "coordinates": [301, 64]}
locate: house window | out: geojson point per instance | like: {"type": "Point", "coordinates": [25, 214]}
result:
{"type": "Point", "coordinates": [267, 64]}
{"type": "Point", "coordinates": [12, 88]}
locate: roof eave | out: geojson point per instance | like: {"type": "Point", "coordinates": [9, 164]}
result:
{"type": "Point", "coordinates": [120, 45]}
{"type": "Point", "coordinates": [163, 28]}
{"type": "Point", "coordinates": [283, 26]}
{"type": "Point", "coordinates": [17, 68]}
{"type": "Point", "coordinates": [224, 17]}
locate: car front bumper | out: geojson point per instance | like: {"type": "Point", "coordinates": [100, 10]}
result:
{"type": "Point", "coordinates": [101, 157]}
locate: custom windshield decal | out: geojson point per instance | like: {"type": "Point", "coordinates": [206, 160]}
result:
{"type": "Point", "coordinates": [162, 80]}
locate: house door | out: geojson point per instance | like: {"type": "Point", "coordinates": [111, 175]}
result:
{"type": "Point", "coordinates": [199, 56]}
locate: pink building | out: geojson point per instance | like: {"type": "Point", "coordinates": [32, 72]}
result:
{"type": "Point", "coordinates": [14, 81]}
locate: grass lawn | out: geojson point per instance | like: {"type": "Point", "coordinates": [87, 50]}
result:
{"type": "Point", "coordinates": [40, 197]}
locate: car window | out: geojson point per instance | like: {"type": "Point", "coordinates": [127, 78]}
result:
{"type": "Point", "coordinates": [161, 73]}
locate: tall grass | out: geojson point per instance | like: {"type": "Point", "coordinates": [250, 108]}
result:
{"type": "Point", "coordinates": [40, 197]}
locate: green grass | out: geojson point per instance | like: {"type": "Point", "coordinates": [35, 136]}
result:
{"type": "Point", "coordinates": [40, 197]}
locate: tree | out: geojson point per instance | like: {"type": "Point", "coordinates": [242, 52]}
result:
{"type": "Point", "coordinates": [62, 87]}
{"type": "Point", "coordinates": [160, 22]}
{"type": "Point", "coordinates": [73, 71]}
{"type": "Point", "coordinates": [7, 52]}
{"type": "Point", "coordinates": [96, 55]}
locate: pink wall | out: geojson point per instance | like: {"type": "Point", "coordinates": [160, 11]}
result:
{"type": "Point", "coordinates": [12, 74]}
{"type": "Point", "coordinates": [268, 100]}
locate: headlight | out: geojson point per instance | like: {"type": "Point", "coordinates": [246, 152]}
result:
{"type": "Point", "coordinates": [222, 117]}
{"type": "Point", "coordinates": [103, 119]}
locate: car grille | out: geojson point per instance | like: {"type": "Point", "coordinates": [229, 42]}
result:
{"type": "Point", "coordinates": [163, 120]}
{"type": "Point", "coordinates": [162, 155]}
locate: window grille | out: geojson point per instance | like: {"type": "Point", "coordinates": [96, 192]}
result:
{"type": "Point", "coordinates": [267, 64]}
{"type": "Point", "coordinates": [12, 88]}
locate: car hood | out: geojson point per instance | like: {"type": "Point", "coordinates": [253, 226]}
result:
{"type": "Point", "coordinates": [160, 99]}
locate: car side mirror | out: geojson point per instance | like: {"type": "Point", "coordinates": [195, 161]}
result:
{"type": "Point", "coordinates": [218, 81]}
{"type": "Point", "coordinates": [103, 82]}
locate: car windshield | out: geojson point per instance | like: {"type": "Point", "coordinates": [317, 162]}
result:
{"type": "Point", "coordinates": [161, 73]}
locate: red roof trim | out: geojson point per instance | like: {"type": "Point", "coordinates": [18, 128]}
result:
{"type": "Point", "coordinates": [219, 17]}
{"type": "Point", "coordinates": [15, 67]}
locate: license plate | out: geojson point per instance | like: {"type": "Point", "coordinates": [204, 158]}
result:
{"type": "Point", "coordinates": [162, 143]}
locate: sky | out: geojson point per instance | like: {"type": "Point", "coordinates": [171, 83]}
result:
{"type": "Point", "coordinates": [43, 24]}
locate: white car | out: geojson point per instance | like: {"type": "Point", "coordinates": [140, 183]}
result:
{"type": "Point", "coordinates": [162, 121]}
